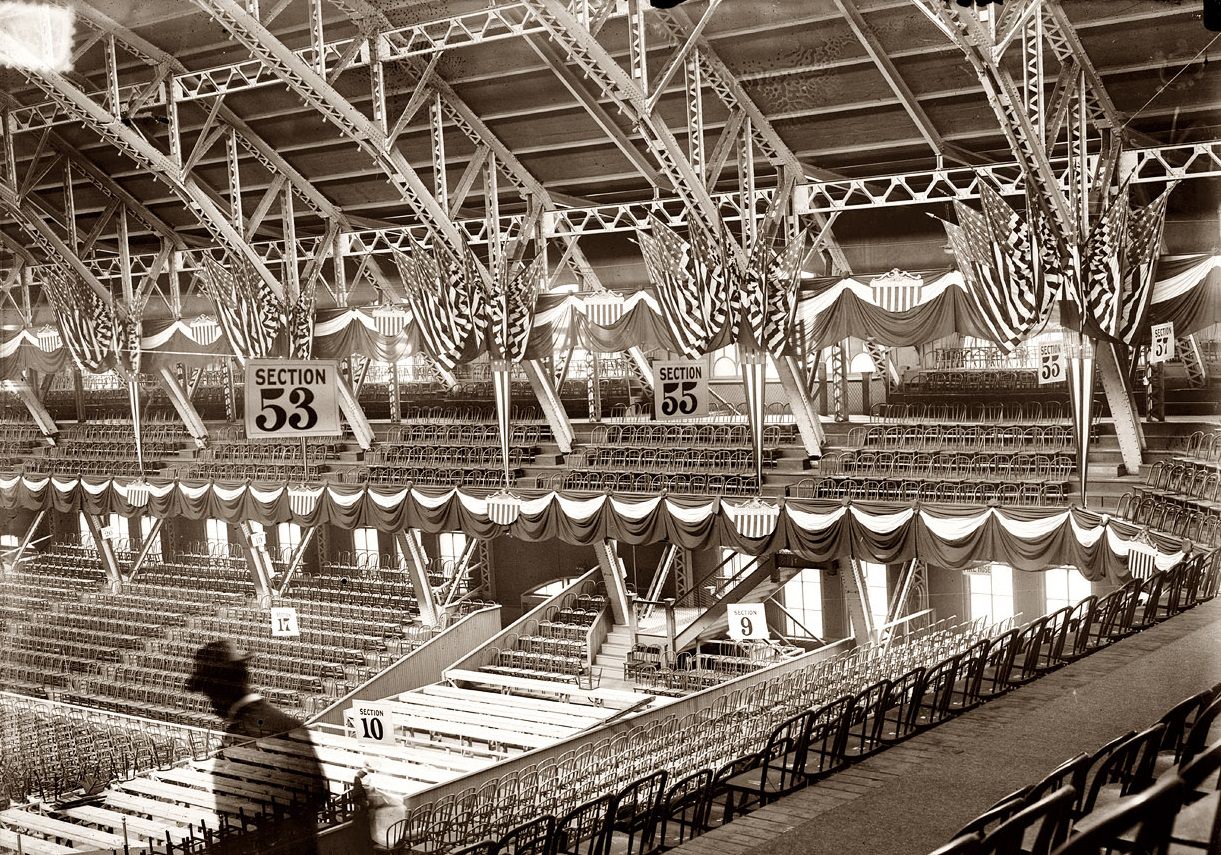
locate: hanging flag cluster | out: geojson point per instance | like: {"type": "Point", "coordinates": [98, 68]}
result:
{"type": "Point", "coordinates": [697, 286]}
{"type": "Point", "coordinates": [446, 300]}
{"type": "Point", "coordinates": [87, 322]}
{"type": "Point", "coordinates": [1012, 273]}
{"type": "Point", "coordinates": [299, 322]}
{"type": "Point", "coordinates": [250, 313]}
{"type": "Point", "coordinates": [509, 306]}
{"type": "Point", "coordinates": [1144, 236]}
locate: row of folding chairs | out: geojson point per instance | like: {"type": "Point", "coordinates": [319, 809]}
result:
{"type": "Point", "coordinates": [1181, 518]}
{"type": "Point", "coordinates": [1184, 481]}
{"type": "Point", "coordinates": [269, 452]}
{"type": "Point", "coordinates": [687, 436]}
{"type": "Point", "coordinates": [287, 471]}
{"type": "Point", "coordinates": [169, 430]}
{"type": "Point", "coordinates": [1123, 797]}
{"type": "Point", "coordinates": [670, 460]}
{"type": "Point", "coordinates": [78, 466]}
{"type": "Point", "coordinates": [1200, 446]}
{"type": "Point", "coordinates": [628, 482]}
{"type": "Point", "coordinates": [950, 466]}
{"type": "Point", "coordinates": [1028, 493]}
{"type": "Point", "coordinates": [949, 358]}
{"type": "Point", "coordinates": [961, 438]}
{"type": "Point", "coordinates": [439, 476]}
{"type": "Point", "coordinates": [972, 379]}
{"type": "Point", "coordinates": [427, 433]}
{"type": "Point", "coordinates": [453, 456]}
{"type": "Point", "coordinates": [1020, 412]}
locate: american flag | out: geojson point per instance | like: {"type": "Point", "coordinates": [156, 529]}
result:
{"type": "Point", "coordinates": [249, 311]}
{"type": "Point", "coordinates": [445, 299]}
{"type": "Point", "coordinates": [682, 298]}
{"type": "Point", "coordinates": [510, 311]}
{"type": "Point", "coordinates": [783, 280]}
{"type": "Point", "coordinates": [87, 323]}
{"type": "Point", "coordinates": [129, 348]}
{"type": "Point", "coordinates": [999, 260]}
{"type": "Point", "coordinates": [300, 320]}
{"type": "Point", "coordinates": [1140, 257]}
{"type": "Point", "coordinates": [302, 500]}
{"type": "Point", "coordinates": [1101, 270]}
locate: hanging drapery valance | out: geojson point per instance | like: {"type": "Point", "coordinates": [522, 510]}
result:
{"type": "Point", "coordinates": [1025, 538]}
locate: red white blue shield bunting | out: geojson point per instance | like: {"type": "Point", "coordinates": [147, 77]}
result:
{"type": "Point", "coordinates": [504, 508]}
{"type": "Point", "coordinates": [753, 519]}
{"type": "Point", "coordinates": [302, 500]}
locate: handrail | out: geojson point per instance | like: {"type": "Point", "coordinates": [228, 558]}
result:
{"type": "Point", "coordinates": [745, 570]}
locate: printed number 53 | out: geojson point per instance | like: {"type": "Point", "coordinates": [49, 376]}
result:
{"type": "Point", "coordinates": [303, 417]}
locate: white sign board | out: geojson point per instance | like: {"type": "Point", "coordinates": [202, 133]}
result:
{"type": "Point", "coordinates": [1161, 348]}
{"type": "Point", "coordinates": [680, 389]}
{"type": "Point", "coordinates": [371, 723]}
{"type": "Point", "coordinates": [284, 622]}
{"type": "Point", "coordinates": [258, 539]}
{"type": "Point", "coordinates": [290, 398]}
{"type": "Point", "coordinates": [107, 532]}
{"type": "Point", "coordinates": [747, 622]}
{"type": "Point", "coordinates": [1052, 368]}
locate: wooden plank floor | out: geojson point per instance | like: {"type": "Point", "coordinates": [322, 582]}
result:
{"type": "Point", "coordinates": [909, 799]}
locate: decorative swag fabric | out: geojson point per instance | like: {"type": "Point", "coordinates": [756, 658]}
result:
{"type": "Point", "coordinates": [1026, 538]}
{"type": "Point", "coordinates": [1187, 292]}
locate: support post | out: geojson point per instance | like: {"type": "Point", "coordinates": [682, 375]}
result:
{"type": "Point", "coordinates": [417, 569]}
{"type": "Point", "coordinates": [856, 597]}
{"type": "Point", "coordinates": [1188, 350]}
{"type": "Point", "coordinates": [78, 387]}
{"type": "Point", "coordinates": [614, 577]}
{"type": "Point", "coordinates": [254, 549]}
{"type": "Point", "coordinates": [903, 590]}
{"type": "Point", "coordinates": [297, 557]}
{"type": "Point", "coordinates": [182, 404]}
{"type": "Point", "coordinates": [25, 541]}
{"type": "Point", "coordinates": [549, 400]}
{"type": "Point", "coordinates": [396, 399]}
{"type": "Point", "coordinates": [42, 418]}
{"type": "Point", "coordinates": [355, 415]}
{"type": "Point", "coordinates": [839, 381]}
{"type": "Point", "coordinates": [110, 562]}
{"type": "Point", "coordinates": [793, 382]}
{"type": "Point", "coordinates": [145, 548]}
{"type": "Point", "coordinates": [1122, 406]}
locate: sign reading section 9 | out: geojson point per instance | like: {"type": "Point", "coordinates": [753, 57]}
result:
{"type": "Point", "coordinates": [289, 398]}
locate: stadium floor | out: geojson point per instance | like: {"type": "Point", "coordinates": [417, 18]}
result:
{"type": "Point", "coordinates": [910, 799]}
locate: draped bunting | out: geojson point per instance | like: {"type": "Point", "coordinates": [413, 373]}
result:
{"type": "Point", "coordinates": [1026, 538]}
{"type": "Point", "coordinates": [249, 311]}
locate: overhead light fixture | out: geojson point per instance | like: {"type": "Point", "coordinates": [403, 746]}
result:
{"type": "Point", "coordinates": [983, 4]}
{"type": "Point", "coordinates": [1212, 16]}
{"type": "Point", "coordinates": [664, 4]}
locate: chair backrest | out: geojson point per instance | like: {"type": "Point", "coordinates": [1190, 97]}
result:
{"type": "Point", "coordinates": [586, 829]}
{"type": "Point", "coordinates": [1150, 815]}
{"type": "Point", "coordinates": [1070, 773]}
{"type": "Point", "coordinates": [1129, 764]}
{"type": "Point", "coordinates": [998, 813]}
{"type": "Point", "coordinates": [637, 813]}
{"type": "Point", "coordinates": [1179, 719]}
{"type": "Point", "coordinates": [530, 838]}
{"type": "Point", "coordinates": [966, 844]}
{"type": "Point", "coordinates": [1201, 769]}
{"type": "Point", "coordinates": [686, 808]}
{"type": "Point", "coordinates": [1197, 737]}
{"type": "Point", "coordinates": [1043, 824]}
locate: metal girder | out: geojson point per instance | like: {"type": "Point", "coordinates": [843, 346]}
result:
{"type": "Point", "coordinates": [111, 128]}
{"type": "Point", "coordinates": [417, 569]}
{"type": "Point", "coordinates": [105, 547]}
{"type": "Point", "coordinates": [181, 402]}
{"type": "Point", "coordinates": [258, 561]}
{"type": "Point", "coordinates": [792, 380]}
{"type": "Point", "coordinates": [716, 74]}
{"type": "Point", "coordinates": [584, 50]}
{"type": "Point", "coordinates": [38, 411]}
{"type": "Point", "coordinates": [614, 579]}
{"type": "Point", "coordinates": [907, 99]}
{"type": "Point", "coordinates": [1118, 388]}
{"type": "Point", "coordinates": [856, 598]}
{"type": "Point", "coordinates": [146, 548]}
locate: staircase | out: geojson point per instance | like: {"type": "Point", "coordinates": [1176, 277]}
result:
{"type": "Point", "coordinates": [611, 656]}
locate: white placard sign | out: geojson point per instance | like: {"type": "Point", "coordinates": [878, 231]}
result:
{"type": "Point", "coordinates": [1051, 364]}
{"type": "Point", "coordinates": [680, 389]}
{"type": "Point", "coordinates": [258, 539]}
{"type": "Point", "coordinates": [371, 723]}
{"type": "Point", "coordinates": [1161, 348]}
{"type": "Point", "coordinates": [107, 532]}
{"type": "Point", "coordinates": [747, 622]}
{"type": "Point", "coordinates": [284, 622]}
{"type": "Point", "coordinates": [290, 398]}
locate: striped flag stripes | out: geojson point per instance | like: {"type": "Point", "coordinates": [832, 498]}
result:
{"type": "Point", "coordinates": [302, 500]}
{"type": "Point", "coordinates": [753, 519]}
{"type": "Point", "coordinates": [501, 387]}
{"type": "Point", "coordinates": [603, 309]}
{"type": "Point", "coordinates": [445, 300]}
{"type": "Point", "coordinates": [503, 508]}
{"type": "Point", "coordinates": [389, 321]}
{"type": "Point", "coordinates": [1140, 560]}
{"type": "Point", "coordinates": [1143, 237]}
{"type": "Point", "coordinates": [896, 291]}
{"type": "Point", "coordinates": [754, 376]}
{"type": "Point", "coordinates": [87, 325]}
{"type": "Point", "coordinates": [1101, 265]}
{"type": "Point", "coordinates": [248, 310]}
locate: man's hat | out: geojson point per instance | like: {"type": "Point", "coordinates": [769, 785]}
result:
{"type": "Point", "coordinates": [213, 660]}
